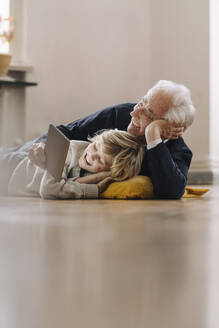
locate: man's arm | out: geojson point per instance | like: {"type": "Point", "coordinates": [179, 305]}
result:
{"type": "Point", "coordinates": [112, 117]}
{"type": "Point", "coordinates": [168, 165]}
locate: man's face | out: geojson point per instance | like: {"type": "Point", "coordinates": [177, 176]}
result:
{"type": "Point", "coordinates": [150, 108]}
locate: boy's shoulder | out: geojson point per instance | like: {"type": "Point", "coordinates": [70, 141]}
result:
{"type": "Point", "coordinates": [79, 143]}
{"type": "Point", "coordinates": [77, 147]}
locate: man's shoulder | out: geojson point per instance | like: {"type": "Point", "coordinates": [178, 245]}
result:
{"type": "Point", "coordinates": [123, 107]}
{"type": "Point", "coordinates": [127, 105]}
{"type": "Point", "coordinates": [119, 111]}
{"type": "Point", "coordinates": [116, 116]}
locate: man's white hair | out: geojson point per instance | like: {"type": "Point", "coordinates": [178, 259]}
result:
{"type": "Point", "coordinates": [182, 110]}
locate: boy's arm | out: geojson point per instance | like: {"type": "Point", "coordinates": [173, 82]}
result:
{"type": "Point", "coordinates": [66, 188]}
{"type": "Point", "coordinates": [102, 179]}
{"type": "Point", "coordinates": [94, 178]}
{"type": "Point", "coordinates": [85, 187]}
{"type": "Point", "coordinates": [37, 155]}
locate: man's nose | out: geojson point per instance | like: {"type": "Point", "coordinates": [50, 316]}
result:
{"type": "Point", "coordinates": [134, 113]}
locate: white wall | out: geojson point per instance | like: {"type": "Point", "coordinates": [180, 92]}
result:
{"type": "Point", "coordinates": [91, 54]}
{"type": "Point", "coordinates": [87, 55]}
{"type": "Point", "coordinates": [180, 52]}
{"type": "Point", "coordinates": [214, 79]}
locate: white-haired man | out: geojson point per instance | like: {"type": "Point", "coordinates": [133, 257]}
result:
{"type": "Point", "coordinates": [159, 119]}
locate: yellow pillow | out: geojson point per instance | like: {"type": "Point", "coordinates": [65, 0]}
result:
{"type": "Point", "coordinates": [140, 187]}
{"type": "Point", "coordinates": [192, 192]}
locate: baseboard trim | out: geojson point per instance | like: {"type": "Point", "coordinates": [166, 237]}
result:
{"type": "Point", "coordinates": [204, 173]}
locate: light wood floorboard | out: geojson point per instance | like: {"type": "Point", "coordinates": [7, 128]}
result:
{"type": "Point", "coordinates": [109, 263]}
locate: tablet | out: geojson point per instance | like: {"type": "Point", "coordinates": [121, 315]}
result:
{"type": "Point", "coordinates": [56, 150]}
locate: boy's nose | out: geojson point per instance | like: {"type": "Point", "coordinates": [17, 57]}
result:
{"type": "Point", "coordinates": [93, 156]}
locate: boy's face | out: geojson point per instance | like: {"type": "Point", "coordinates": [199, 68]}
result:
{"type": "Point", "coordinates": [94, 159]}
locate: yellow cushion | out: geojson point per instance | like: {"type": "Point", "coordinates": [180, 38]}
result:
{"type": "Point", "coordinates": [192, 192]}
{"type": "Point", "coordinates": [140, 187]}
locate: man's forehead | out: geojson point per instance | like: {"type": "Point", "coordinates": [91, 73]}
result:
{"type": "Point", "coordinates": [160, 101]}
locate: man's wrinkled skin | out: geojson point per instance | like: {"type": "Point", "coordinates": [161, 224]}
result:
{"type": "Point", "coordinates": [148, 114]}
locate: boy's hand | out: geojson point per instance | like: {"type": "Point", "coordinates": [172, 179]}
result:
{"type": "Point", "coordinates": [102, 185]}
{"type": "Point", "coordinates": [94, 178]}
{"type": "Point", "coordinates": [163, 129]}
{"type": "Point", "coordinates": [37, 155]}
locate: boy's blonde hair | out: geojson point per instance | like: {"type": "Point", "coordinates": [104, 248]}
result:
{"type": "Point", "coordinates": [127, 153]}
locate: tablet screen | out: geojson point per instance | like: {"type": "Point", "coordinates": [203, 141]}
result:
{"type": "Point", "coordinates": [56, 150]}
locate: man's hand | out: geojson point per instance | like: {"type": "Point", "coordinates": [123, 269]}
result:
{"type": "Point", "coordinates": [164, 130]}
{"type": "Point", "coordinates": [37, 155]}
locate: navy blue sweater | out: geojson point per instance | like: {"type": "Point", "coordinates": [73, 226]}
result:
{"type": "Point", "coordinates": [167, 164]}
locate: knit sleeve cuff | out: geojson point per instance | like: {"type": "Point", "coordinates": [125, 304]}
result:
{"type": "Point", "coordinates": [90, 190]}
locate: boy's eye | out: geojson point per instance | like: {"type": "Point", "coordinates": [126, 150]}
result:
{"type": "Point", "coordinates": [100, 160]}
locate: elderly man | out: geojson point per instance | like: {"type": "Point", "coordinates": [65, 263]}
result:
{"type": "Point", "coordinates": [159, 119]}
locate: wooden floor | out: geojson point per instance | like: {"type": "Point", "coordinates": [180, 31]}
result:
{"type": "Point", "coordinates": [109, 264]}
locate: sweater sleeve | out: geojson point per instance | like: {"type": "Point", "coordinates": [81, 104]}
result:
{"type": "Point", "coordinates": [66, 188]}
{"type": "Point", "coordinates": [168, 169]}
{"type": "Point", "coordinates": [112, 117]}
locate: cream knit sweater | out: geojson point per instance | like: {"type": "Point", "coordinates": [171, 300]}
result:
{"type": "Point", "coordinates": [30, 180]}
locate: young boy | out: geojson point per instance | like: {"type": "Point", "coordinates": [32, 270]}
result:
{"type": "Point", "coordinates": [114, 153]}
